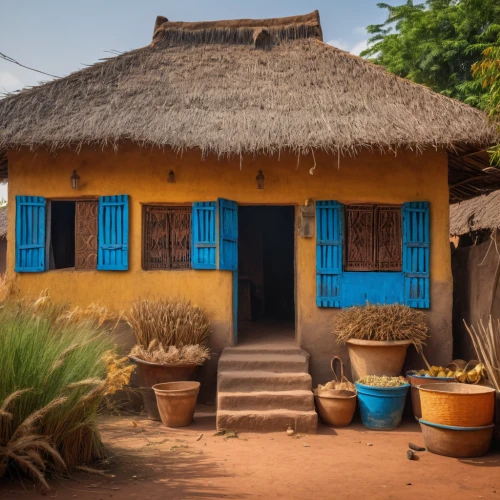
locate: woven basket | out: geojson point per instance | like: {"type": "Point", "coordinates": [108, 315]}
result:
{"type": "Point", "coordinates": [457, 404]}
{"type": "Point", "coordinates": [339, 383]}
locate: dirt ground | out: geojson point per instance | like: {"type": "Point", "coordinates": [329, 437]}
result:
{"type": "Point", "coordinates": [149, 461]}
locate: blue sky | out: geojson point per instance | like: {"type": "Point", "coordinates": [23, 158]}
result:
{"type": "Point", "coordinates": [61, 36]}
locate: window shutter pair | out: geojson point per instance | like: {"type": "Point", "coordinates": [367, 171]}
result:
{"type": "Point", "coordinates": [329, 253]}
{"type": "Point", "coordinates": [215, 231]}
{"type": "Point", "coordinates": [30, 233]}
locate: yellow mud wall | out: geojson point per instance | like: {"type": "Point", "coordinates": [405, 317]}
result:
{"type": "Point", "coordinates": [142, 174]}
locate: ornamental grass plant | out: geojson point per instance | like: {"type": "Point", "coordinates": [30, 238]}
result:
{"type": "Point", "coordinates": [169, 331]}
{"type": "Point", "coordinates": [56, 369]}
{"type": "Point", "coordinates": [381, 322]}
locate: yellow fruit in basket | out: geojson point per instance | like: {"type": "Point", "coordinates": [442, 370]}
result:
{"type": "Point", "coordinates": [461, 376]}
{"type": "Point", "coordinates": [449, 374]}
{"type": "Point", "coordinates": [479, 368]}
{"type": "Point", "coordinates": [428, 373]}
{"type": "Point", "coordinates": [473, 376]}
{"type": "Point", "coordinates": [441, 375]}
{"type": "Point", "coordinates": [328, 386]}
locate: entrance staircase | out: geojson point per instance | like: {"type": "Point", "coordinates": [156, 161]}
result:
{"type": "Point", "coordinates": [265, 389]}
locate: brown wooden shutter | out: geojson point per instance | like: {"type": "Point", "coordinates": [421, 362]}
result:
{"type": "Point", "coordinates": [86, 235]}
{"type": "Point", "coordinates": [389, 239]}
{"type": "Point", "coordinates": [359, 255]}
{"type": "Point", "coordinates": [167, 237]}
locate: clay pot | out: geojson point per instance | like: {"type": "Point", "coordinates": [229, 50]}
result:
{"type": "Point", "coordinates": [457, 442]}
{"type": "Point", "coordinates": [156, 373]}
{"type": "Point", "coordinates": [376, 357]}
{"type": "Point", "coordinates": [416, 380]}
{"type": "Point", "coordinates": [149, 398]}
{"type": "Point", "coordinates": [150, 374]}
{"type": "Point", "coordinates": [336, 407]}
{"type": "Point", "coordinates": [176, 402]}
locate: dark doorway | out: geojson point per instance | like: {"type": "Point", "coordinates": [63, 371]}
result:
{"type": "Point", "coordinates": [266, 289]}
{"type": "Point", "coordinates": [62, 234]}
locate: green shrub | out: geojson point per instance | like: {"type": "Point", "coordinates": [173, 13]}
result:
{"type": "Point", "coordinates": [55, 370]}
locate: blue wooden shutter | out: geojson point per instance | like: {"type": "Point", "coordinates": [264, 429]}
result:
{"type": "Point", "coordinates": [329, 241]}
{"type": "Point", "coordinates": [228, 235]}
{"type": "Point", "coordinates": [112, 254]}
{"type": "Point", "coordinates": [204, 241]}
{"type": "Point", "coordinates": [30, 234]}
{"type": "Point", "coordinates": [416, 254]}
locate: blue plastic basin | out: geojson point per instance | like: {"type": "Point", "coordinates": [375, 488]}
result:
{"type": "Point", "coordinates": [381, 407]}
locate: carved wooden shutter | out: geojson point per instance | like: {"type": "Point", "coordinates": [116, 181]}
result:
{"type": "Point", "coordinates": [30, 234]}
{"type": "Point", "coordinates": [360, 228]}
{"type": "Point", "coordinates": [86, 235]}
{"type": "Point", "coordinates": [388, 238]}
{"type": "Point", "coordinates": [329, 242]}
{"type": "Point", "coordinates": [416, 265]}
{"type": "Point", "coordinates": [167, 237]}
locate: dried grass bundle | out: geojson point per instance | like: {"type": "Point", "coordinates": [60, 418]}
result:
{"type": "Point", "coordinates": [486, 340]}
{"type": "Point", "coordinates": [184, 355]}
{"type": "Point", "coordinates": [169, 322]}
{"type": "Point", "coordinates": [382, 322]}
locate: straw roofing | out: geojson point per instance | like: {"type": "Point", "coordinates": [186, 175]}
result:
{"type": "Point", "coordinates": [482, 212]}
{"type": "Point", "coordinates": [235, 87]}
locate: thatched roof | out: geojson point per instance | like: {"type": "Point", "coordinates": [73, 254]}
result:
{"type": "Point", "coordinates": [234, 87]}
{"type": "Point", "coordinates": [482, 212]}
{"type": "Point", "coordinates": [3, 222]}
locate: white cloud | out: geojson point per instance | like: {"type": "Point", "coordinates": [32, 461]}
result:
{"type": "Point", "coordinates": [359, 30]}
{"type": "Point", "coordinates": [340, 44]}
{"type": "Point", "coordinates": [359, 47]}
{"type": "Point", "coordinates": [9, 82]}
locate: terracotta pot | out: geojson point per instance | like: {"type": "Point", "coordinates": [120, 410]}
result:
{"type": "Point", "coordinates": [376, 357]}
{"type": "Point", "coordinates": [156, 373]}
{"type": "Point", "coordinates": [457, 442]}
{"type": "Point", "coordinates": [416, 380]}
{"type": "Point", "coordinates": [337, 408]}
{"type": "Point", "coordinates": [149, 398]}
{"type": "Point", "coordinates": [176, 402]}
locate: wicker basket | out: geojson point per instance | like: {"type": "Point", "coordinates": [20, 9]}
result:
{"type": "Point", "coordinates": [457, 404]}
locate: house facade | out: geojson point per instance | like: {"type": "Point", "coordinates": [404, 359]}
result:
{"type": "Point", "coordinates": [248, 167]}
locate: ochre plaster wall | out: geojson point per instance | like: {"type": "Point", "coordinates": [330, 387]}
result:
{"type": "Point", "coordinates": [142, 174]}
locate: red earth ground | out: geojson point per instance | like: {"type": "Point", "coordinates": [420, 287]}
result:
{"type": "Point", "coordinates": [149, 461]}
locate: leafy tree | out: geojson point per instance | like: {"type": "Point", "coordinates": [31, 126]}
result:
{"type": "Point", "coordinates": [487, 73]}
{"type": "Point", "coordinates": [437, 43]}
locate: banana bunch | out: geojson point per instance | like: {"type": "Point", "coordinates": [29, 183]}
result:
{"type": "Point", "coordinates": [436, 371]}
{"type": "Point", "coordinates": [465, 376]}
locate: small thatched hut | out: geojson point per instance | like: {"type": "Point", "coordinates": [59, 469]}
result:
{"type": "Point", "coordinates": [242, 158]}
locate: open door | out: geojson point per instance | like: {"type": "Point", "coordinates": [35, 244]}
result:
{"type": "Point", "coordinates": [228, 248]}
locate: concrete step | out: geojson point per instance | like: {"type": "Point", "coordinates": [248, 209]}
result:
{"type": "Point", "coordinates": [265, 400]}
{"type": "Point", "coordinates": [280, 363]}
{"type": "Point", "coordinates": [258, 381]}
{"type": "Point", "coordinates": [268, 421]}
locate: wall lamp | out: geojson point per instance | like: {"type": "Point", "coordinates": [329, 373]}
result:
{"type": "Point", "coordinates": [75, 180]}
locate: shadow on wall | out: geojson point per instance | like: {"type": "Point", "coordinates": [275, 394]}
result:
{"type": "Point", "coordinates": [474, 270]}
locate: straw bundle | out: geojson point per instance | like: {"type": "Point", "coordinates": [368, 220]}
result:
{"type": "Point", "coordinates": [387, 322]}
{"type": "Point", "coordinates": [168, 322]}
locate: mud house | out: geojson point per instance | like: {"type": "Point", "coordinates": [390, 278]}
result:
{"type": "Point", "coordinates": [476, 266]}
{"type": "Point", "coordinates": [250, 167]}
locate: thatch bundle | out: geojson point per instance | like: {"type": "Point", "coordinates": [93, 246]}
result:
{"type": "Point", "coordinates": [210, 86]}
{"type": "Point", "coordinates": [482, 212]}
